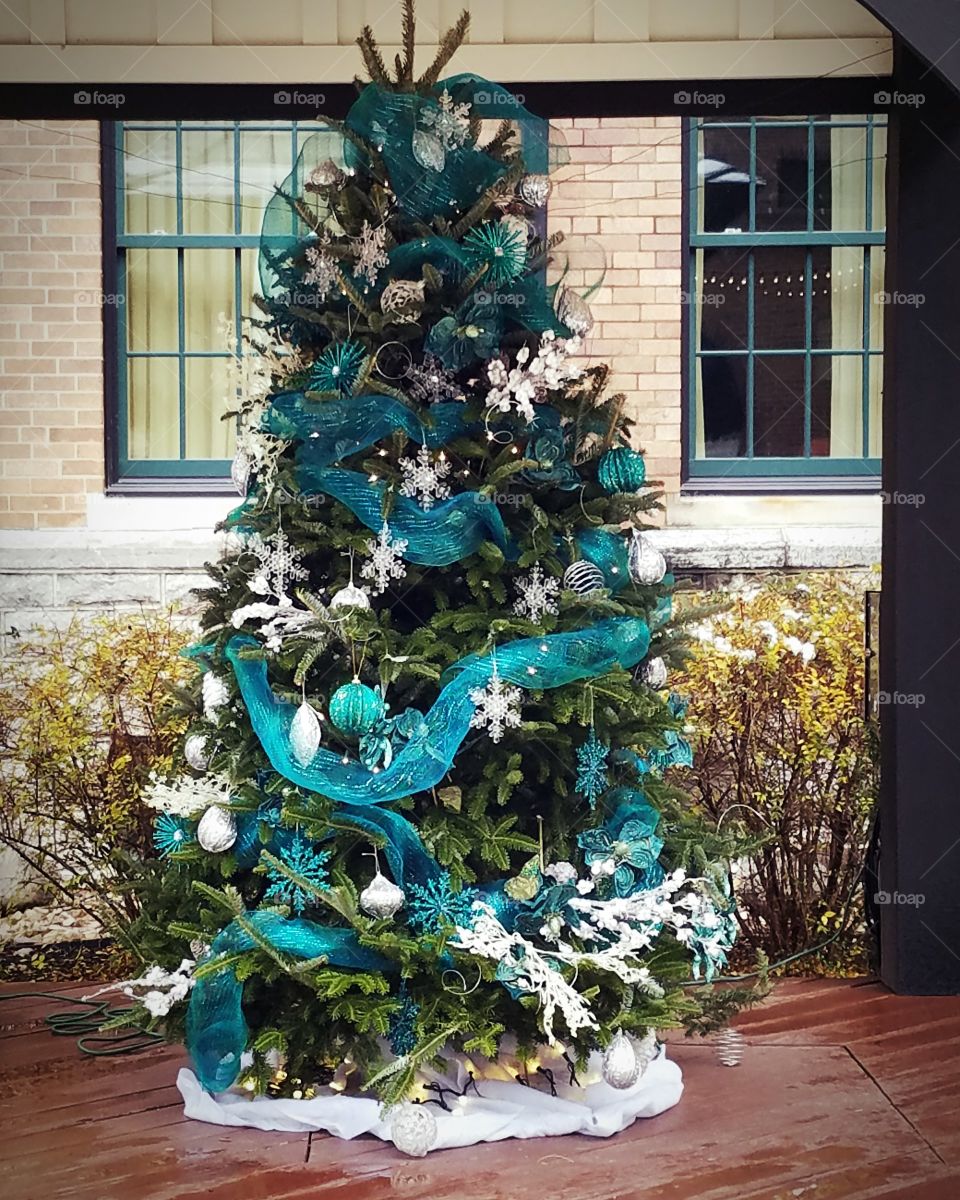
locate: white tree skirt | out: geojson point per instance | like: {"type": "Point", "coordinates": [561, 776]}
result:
{"type": "Point", "coordinates": [504, 1108]}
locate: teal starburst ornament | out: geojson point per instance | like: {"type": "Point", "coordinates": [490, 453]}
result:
{"type": "Point", "coordinates": [337, 369]}
{"type": "Point", "coordinates": [592, 779]}
{"type": "Point", "coordinates": [170, 834]}
{"type": "Point", "coordinates": [500, 247]}
{"type": "Point", "coordinates": [435, 906]}
{"type": "Point", "coordinates": [294, 872]}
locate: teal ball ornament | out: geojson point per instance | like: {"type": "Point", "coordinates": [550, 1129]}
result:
{"type": "Point", "coordinates": [355, 708]}
{"type": "Point", "coordinates": [621, 470]}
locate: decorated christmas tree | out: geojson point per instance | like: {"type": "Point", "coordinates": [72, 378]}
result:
{"type": "Point", "coordinates": [422, 838]}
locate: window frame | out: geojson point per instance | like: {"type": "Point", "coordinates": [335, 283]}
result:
{"type": "Point", "coordinates": [180, 476]}
{"type": "Point", "coordinates": [758, 473]}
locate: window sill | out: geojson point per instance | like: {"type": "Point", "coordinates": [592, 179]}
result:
{"type": "Point", "coordinates": [781, 485]}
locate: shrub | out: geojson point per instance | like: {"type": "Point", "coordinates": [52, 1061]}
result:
{"type": "Point", "coordinates": [776, 698]}
{"type": "Point", "coordinates": [82, 726]}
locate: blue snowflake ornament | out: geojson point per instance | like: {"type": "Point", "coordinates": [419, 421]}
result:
{"type": "Point", "coordinates": [403, 1023]}
{"type": "Point", "coordinates": [170, 834]}
{"type": "Point", "coordinates": [306, 866]}
{"type": "Point", "coordinates": [592, 779]}
{"type": "Point", "coordinates": [434, 906]}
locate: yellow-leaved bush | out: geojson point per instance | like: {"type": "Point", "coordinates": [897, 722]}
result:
{"type": "Point", "coordinates": [83, 723]}
{"type": "Point", "coordinates": [775, 687]}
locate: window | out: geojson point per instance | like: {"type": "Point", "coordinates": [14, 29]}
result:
{"type": "Point", "coordinates": [785, 260]}
{"type": "Point", "coordinates": [189, 204]}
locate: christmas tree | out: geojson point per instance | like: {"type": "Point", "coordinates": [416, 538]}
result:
{"type": "Point", "coordinates": [423, 808]}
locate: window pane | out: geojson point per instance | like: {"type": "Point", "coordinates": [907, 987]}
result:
{"type": "Point", "coordinates": [781, 183]}
{"type": "Point", "coordinates": [840, 177]}
{"type": "Point", "coordinates": [152, 303]}
{"type": "Point", "coordinates": [778, 407]}
{"type": "Point", "coordinates": [208, 294]}
{"type": "Point", "coordinates": [780, 297]}
{"type": "Point", "coordinates": [265, 161]}
{"type": "Point", "coordinates": [721, 301]}
{"type": "Point", "coordinates": [207, 181]}
{"type": "Point", "coordinates": [836, 391]}
{"type": "Point", "coordinates": [722, 406]}
{"type": "Point", "coordinates": [878, 218]}
{"type": "Point", "coordinates": [837, 298]}
{"type": "Point", "coordinates": [153, 408]}
{"type": "Point", "coordinates": [723, 174]}
{"type": "Point", "coordinates": [206, 401]}
{"type": "Point", "coordinates": [150, 181]}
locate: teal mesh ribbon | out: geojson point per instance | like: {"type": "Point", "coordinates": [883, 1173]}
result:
{"type": "Point", "coordinates": [216, 1029]}
{"type": "Point", "coordinates": [334, 429]}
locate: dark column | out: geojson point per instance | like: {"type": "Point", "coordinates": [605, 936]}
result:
{"type": "Point", "coordinates": [920, 614]}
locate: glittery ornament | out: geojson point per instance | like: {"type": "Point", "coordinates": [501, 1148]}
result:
{"type": "Point", "coordinates": [325, 175]}
{"type": "Point", "coordinates": [215, 695]}
{"type": "Point", "coordinates": [371, 251]}
{"type": "Point", "coordinates": [413, 1129]}
{"type": "Point", "coordinates": [654, 673]}
{"type": "Point", "coordinates": [498, 246]}
{"type": "Point", "coordinates": [621, 1067]}
{"type": "Point", "coordinates": [381, 897]}
{"type": "Point", "coordinates": [497, 707]}
{"type": "Point", "coordinates": [199, 948]}
{"type": "Point", "coordinates": [428, 150]}
{"type": "Point", "coordinates": [647, 1049]}
{"type": "Point", "coordinates": [574, 312]}
{"type": "Point", "coordinates": [402, 301]}
{"type": "Point", "coordinates": [337, 368]}
{"type": "Point", "coordinates": [647, 564]}
{"type": "Point", "coordinates": [621, 470]}
{"type": "Point", "coordinates": [535, 189]}
{"type": "Point", "coordinates": [195, 752]}
{"type": "Point", "coordinates": [217, 830]}
{"type": "Point", "coordinates": [583, 577]}
{"type": "Point", "coordinates": [355, 708]}
{"type": "Point", "coordinates": [350, 596]}
{"type": "Point", "coordinates": [729, 1047]}
{"type": "Point", "coordinates": [304, 734]}
{"type": "Point", "coordinates": [240, 472]}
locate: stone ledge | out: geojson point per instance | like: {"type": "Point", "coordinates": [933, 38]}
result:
{"type": "Point", "coordinates": [763, 548]}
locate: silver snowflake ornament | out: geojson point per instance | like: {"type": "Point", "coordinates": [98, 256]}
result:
{"type": "Point", "coordinates": [538, 594]}
{"type": "Point", "coordinates": [386, 559]}
{"type": "Point", "coordinates": [450, 122]}
{"type": "Point", "coordinates": [278, 565]}
{"type": "Point", "coordinates": [371, 251]}
{"type": "Point", "coordinates": [431, 382]}
{"type": "Point", "coordinates": [323, 271]}
{"type": "Point", "coordinates": [423, 478]}
{"type": "Point", "coordinates": [497, 707]}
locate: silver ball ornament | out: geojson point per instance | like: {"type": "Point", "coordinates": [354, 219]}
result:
{"type": "Point", "coordinates": [535, 190]}
{"type": "Point", "coordinates": [647, 564]}
{"type": "Point", "coordinates": [574, 312]}
{"type": "Point", "coordinates": [583, 577]}
{"type": "Point", "coordinates": [240, 470]}
{"type": "Point", "coordinates": [413, 1129]}
{"type": "Point", "coordinates": [402, 301]}
{"type": "Point", "coordinates": [350, 596]}
{"type": "Point", "coordinates": [654, 673]}
{"type": "Point", "coordinates": [647, 1049]}
{"type": "Point", "coordinates": [217, 830]}
{"type": "Point", "coordinates": [195, 752]}
{"type": "Point", "coordinates": [381, 897]}
{"type": "Point", "coordinates": [621, 1066]}
{"type": "Point", "coordinates": [215, 694]}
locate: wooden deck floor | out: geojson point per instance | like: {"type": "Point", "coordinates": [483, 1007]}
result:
{"type": "Point", "coordinates": [844, 1093]}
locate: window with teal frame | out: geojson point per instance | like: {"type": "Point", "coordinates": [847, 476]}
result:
{"type": "Point", "coordinates": [189, 202]}
{"type": "Point", "coordinates": [785, 271]}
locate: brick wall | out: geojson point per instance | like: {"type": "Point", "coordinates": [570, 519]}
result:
{"type": "Point", "coordinates": [51, 380]}
{"type": "Point", "coordinates": [622, 188]}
